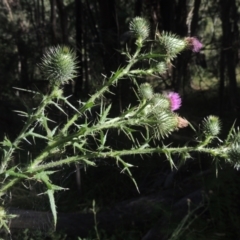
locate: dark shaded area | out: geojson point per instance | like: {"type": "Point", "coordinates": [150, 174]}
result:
{"type": "Point", "coordinates": [188, 193]}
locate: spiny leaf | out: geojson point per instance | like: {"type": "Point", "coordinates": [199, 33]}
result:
{"type": "Point", "coordinates": [6, 142]}
{"type": "Point", "coordinates": [104, 113]}
{"type": "Point", "coordinates": [37, 135]}
{"type": "Point", "coordinates": [126, 167]}
{"type": "Point", "coordinates": [103, 139]}
{"type": "Point", "coordinates": [230, 132]}
{"type": "Point", "coordinates": [53, 207]}
{"type": "Point", "coordinates": [22, 113]}
{"type": "Point", "coordinates": [70, 105]}
{"type": "Point", "coordinates": [58, 107]}
{"type": "Point", "coordinates": [27, 140]}
{"type": "Point", "coordinates": [12, 172]}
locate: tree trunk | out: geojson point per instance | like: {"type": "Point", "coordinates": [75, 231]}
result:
{"type": "Point", "coordinates": [194, 22]}
{"type": "Point", "coordinates": [181, 71]}
{"type": "Point", "coordinates": [53, 22]}
{"type": "Point", "coordinates": [110, 42]}
{"type": "Point", "coordinates": [38, 22]}
{"type": "Point", "coordinates": [229, 19]}
{"type": "Point", "coordinates": [79, 31]}
{"type": "Point", "coordinates": [63, 20]}
{"type": "Point", "coordinates": [221, 81]}
{"type": "Point", "coordinates": [22, 54]}
{"type": "Point", "coordinates": [110, 35]}
{"type": "Point", "coordinates": [138, 7]}
{"type": "Point", "coordinates": [167, 15]}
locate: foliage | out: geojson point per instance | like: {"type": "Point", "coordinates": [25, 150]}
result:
{"type": "Point", "coordinates": [82, 140]}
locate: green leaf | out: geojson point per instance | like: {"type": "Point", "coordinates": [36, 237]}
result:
{"type": "Point", "coordinates": [169, 158]}
{"type": "Point", "coordinates": [22, 113]}
{"type": "Point", "coordinates": [86, 106]}
{"type": "Point", "coordinates": [85, 160]}
{"type": "Point", "coordinates": [27, 141]}
{"type": "Point", "coordinates": [43, 176]}
{"type": "Point", "coordinates": [128, 132]}
{"type": "Point", "coordinates": [53, 207]}
{"type": "Point", "coordinates": [126, 169]}
{"type": "Point", "coordinates": [103, 139]}
{"type": "Point", "coordinates": [12, 172]}
{"type": "Point", "coordinates": [6, 142]}
{"type": "Point", "coordinates": [58, 107]}
{"type": "Point", "coordinates": [104, 114]}
{"type": "Point", "coordinates": [52, 133]}
{"type": "Point", "coordinates": [151, 56]}
{"type": "Point", "coordinates": [231, 133]}
{"type": "Point", "coordinates": [69, 104]}
{"type": "Point", "coordinates": [27, 90]}
{"type": "Point", "coordinates": [37, 135]}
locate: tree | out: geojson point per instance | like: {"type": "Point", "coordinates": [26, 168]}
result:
{"type": "Point", "coordinates": [229, 57]}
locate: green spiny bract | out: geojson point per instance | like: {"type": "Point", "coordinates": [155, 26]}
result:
{"type": "Point", "coordinates": [146, 91]}
{"type": "Point", "coordinates": [234, 155]}
{"type": "Point", "coordinates": [140, 28]}
{"type": "Point", "coordinates": [161, 67]}
{"type": "Point", "coordinates": [170, 44]}
{"type": "Point", "coordinates": [234, 137]}
{"type": "Point", "coordinates": [164, 122]}
{"type": "Point", "coordinates": [160, 103]}
{"type": "Point", "coordinates": [59, 65]}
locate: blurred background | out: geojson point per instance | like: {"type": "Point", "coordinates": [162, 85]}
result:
{"type": "Point", "coordinates": [194, 202]}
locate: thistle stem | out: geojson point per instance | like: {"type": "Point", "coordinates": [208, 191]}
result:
{"type": "Point", "coordinates": [116, 76]}
{"type": "Point", "coordinates": [32, 118]}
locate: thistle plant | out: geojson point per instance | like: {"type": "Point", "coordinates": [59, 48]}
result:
{"type": "Point", "coordinates": [155, 116]}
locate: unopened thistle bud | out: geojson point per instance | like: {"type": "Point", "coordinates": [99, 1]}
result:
{"type": "Point", "coordinates": [211, 126]}
{"type": "Point", "coordinates": [59, 65]}
{"type": "Point", "coordinates": [140, 28]}
{"type": "Point", "coordinates": [146, 91]}
{"type": "Point", "coordinates": [161, 67]}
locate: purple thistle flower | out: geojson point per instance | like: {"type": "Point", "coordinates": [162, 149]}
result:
{"type": "Point", "coordinates": [175, 100]}
{"type": "Point", "coordinates": [194, 44]}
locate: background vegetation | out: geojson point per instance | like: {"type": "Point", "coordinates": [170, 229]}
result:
{"type": "Point", "coordinates": [191, 203]}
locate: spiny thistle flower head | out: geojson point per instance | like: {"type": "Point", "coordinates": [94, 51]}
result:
{"type": "Point", "coordinates": [211, 125]}
{"type": "Point", "coordinates": [161, 67]}
{"type": "Point", "coordinates": [59, 65]}
{"type": "Point", "coordinates": [234, 155]}
{"type": "Point", "coordinates": [194, 44]}
{"type": "Point", "coordinates": [140, 28]}
{"type": "Point", "coordinates": [234, 137]}
{"type": "Point", "coordinates": [175, 100]}
{"type": "Point", "coordinates": [171, 44]}
{"type": "Point", "coordinates": [234, 148]}
{"type": "Point", "coordinates": [165, 123]}
{"type": "Point", "coordinates": [146, 91]}
{"type": "Point", "coordinates": [160, 102]}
